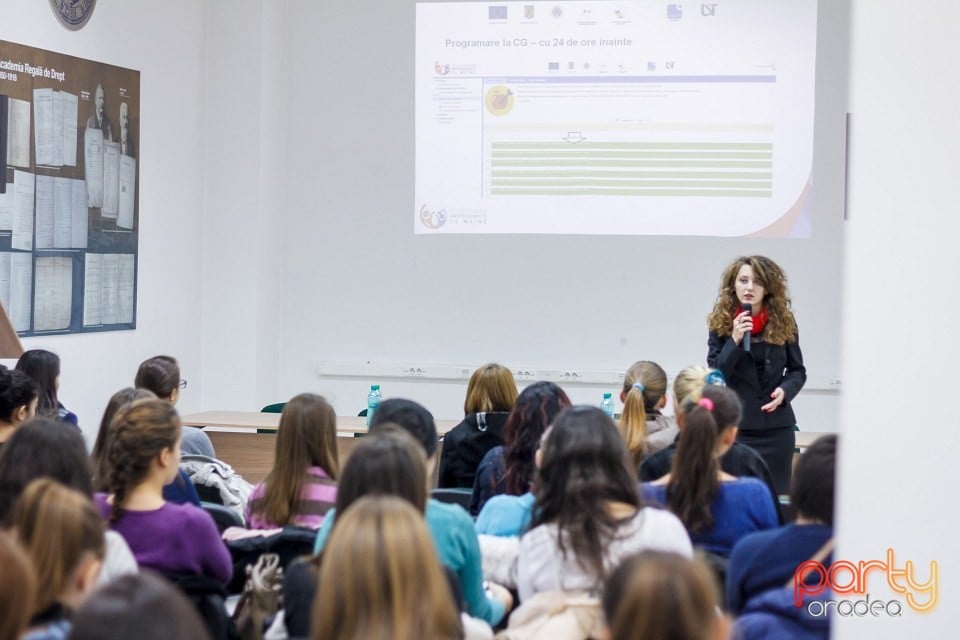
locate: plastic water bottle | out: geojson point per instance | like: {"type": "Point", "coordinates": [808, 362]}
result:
{"type": "Point", "coordinates": [373, 401]}
{"type": "Point", "coordinates": [607, 404]}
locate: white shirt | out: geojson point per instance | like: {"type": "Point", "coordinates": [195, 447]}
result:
{"type": "Point", "coordinates": [542, 567]}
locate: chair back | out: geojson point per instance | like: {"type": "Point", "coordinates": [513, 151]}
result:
{"type": "Point", "coordinates": [453, 495]}
{"type": "Point", "coordinates": [222, 516]}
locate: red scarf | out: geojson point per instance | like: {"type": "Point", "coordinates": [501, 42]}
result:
{"type": "Point", "coordinates": [759, 320]}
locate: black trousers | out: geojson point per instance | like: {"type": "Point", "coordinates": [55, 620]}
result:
{"type": "Point", "coordinates": [776, 447]}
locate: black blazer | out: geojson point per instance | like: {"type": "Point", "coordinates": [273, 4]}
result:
{"type": "Point", "coordinates": [754, 376]}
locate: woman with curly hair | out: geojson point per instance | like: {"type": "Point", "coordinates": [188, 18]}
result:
{"type": "Point", "coordinates": [754, 342]}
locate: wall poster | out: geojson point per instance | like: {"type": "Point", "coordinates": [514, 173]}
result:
{"type": "Point", "coordinates": [69, 206]}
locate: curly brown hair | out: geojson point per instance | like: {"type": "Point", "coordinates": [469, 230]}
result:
{"type": "Point", "coordinates": [781, 324]}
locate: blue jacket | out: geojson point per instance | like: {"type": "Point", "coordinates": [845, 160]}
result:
{"type": "Point", "coordinates": [773, 616]}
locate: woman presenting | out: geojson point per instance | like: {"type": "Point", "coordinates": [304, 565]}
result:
{"type": "Point", "coordinates": [753, 342]}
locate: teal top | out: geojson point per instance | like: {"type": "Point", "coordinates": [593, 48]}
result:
{"type": "Point", "coordinates": [505, 515]}
{"type": "Point", "coordinates": [456, 541]}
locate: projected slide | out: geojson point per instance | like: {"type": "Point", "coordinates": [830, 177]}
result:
{"type": "Point", "coordinates": [642, 118]}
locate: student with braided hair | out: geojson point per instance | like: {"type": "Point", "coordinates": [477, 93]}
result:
{"type": "Point", "coordinates": [143, 455]}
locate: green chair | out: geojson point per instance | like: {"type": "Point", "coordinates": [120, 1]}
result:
{"type": "Point", "coordinates": [276, 407]}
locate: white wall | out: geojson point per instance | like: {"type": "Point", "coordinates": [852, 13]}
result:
{"type": "Point", "coordinates": [165, 42]}
{"type": "Point", "coordinates": [276, 173]}
{"type": "Point", "coordinates": [360, 287]}
{"type": "Point", "coordinates": [901, 441]}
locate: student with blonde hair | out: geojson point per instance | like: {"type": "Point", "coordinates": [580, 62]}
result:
{"type": "Point", "coordinates": [64, 538]}
{"type": "Point", "coordinates": [644, 429]}
{"type": "Point", "coordinates": [491, 394]}
{"type": "Point", "coordinates": [302, 486]}
{"type": "Point", "coordinates": [143, 455]}
{"type": "Point", "coordinates": [18, 588]}
{"type": "Point", "coordinates": [381, 579]}
{"type": "Point", "coordinates": [661, 596]}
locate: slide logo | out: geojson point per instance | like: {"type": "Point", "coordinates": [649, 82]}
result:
{"type": "Point", "coordinates": [441, 69]}
{"type": "Point", "coordinates": [432, 219]}
{"type": "Point", "coordinates": [845, 577]}
{"type": "Point", "coordinates": [499, 100]}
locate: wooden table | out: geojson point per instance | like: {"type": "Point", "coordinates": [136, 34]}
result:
{"type": "Point", "coordinates": [245, 439]}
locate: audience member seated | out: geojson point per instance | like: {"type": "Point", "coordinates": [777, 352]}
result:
{"type": "Point", "coordinates": [716, 508]}
{"type": "Point", "coordinates": [180, 491]}
{"type": "Point", "coordinates": [491, 394]}
{"type": "Point", "coordinates": [767, 559]}
{"type": "Point", "coordinates": [739, 460]}
{"type": "Point", "coordinates": [45, 448]}
{"type": "Point", "coordinates": [662, 596]}
{"type": "Point", "coordinates": [161, 375]}
{"type": "Point", "coordinates": [644, 394]}
{"type": "Point", "coordinates": [386, 463]}
{"type": "Point", "coordinates": [509, 468]}
{"type": "Point", "coordinates": [588, 513]}
{"type": "Point", "coordinates": [773, 615]}
{"type": "Point", "coordinates": [18, 588]}
{"type": "Point", "coordinates": [63, 536]}
{"type": "Point", "coordinates": [451, 526]}
{"type": "Point", "coordinates": [43, 367]}
{"type": "Point", "coordinates": [380, 578]}
{"type": "Point", "coordinates": [18, 401]}
{"type": "Point", "coordinates": [143, 453]}
{"type": "Point", "coordinates": [301, 487]}
{"type": "Point", "coordinates": [141, 606]}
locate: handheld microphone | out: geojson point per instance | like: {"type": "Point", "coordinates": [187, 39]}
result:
{"type": "Point", "coordinates": [748, 308]}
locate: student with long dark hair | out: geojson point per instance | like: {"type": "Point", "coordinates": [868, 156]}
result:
{"type": "Point", "coordinates": [588, 514]}
{"type": "Point", "coordinates": [302, 486]}
{"type": "Point", "coordinates": [18, 401]}
{"type": "Point", "coordinates": [716, 508]}
{"type": "Point", "coordinates": [43, 367]}
{"type": "Point", "coordinates": [510, 468]}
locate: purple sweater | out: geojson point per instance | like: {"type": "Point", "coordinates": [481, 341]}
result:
{"type": "Point", "coordinates": [176, 538]}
